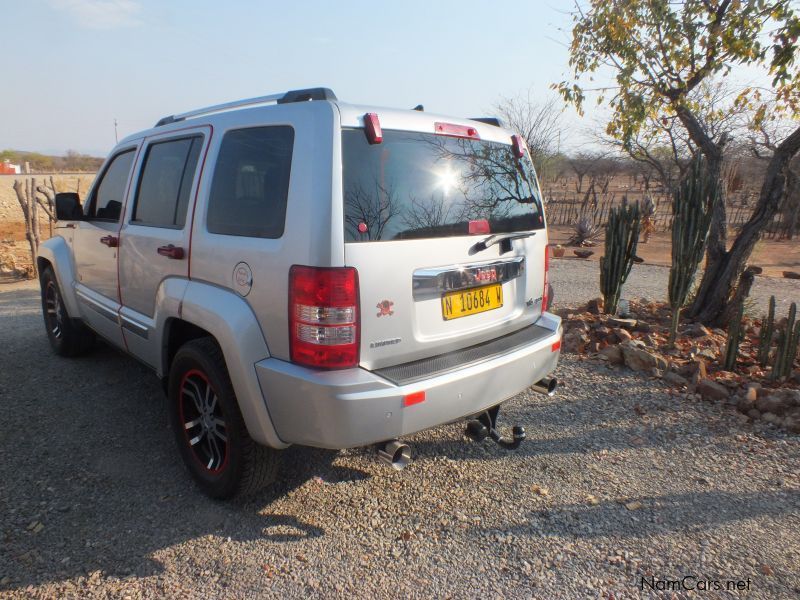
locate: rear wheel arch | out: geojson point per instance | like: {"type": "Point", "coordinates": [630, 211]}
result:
{"type": "Point", "coordinates": [178, 332]}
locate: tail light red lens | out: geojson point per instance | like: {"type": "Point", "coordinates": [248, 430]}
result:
{"type": "Point", "coordinates": [518, 146]}
{"type": "Point", "coordinates": [372, 127]}
{"type": "Point", "coordinates": [324, 325]}
{"type": "Point", "coordinates": [545, 298]}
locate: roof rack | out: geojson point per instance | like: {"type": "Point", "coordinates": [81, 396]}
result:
{"type": "Point", "coordinates": [306, 95]}
{"type": "Point", "coordinates": [488, 120]}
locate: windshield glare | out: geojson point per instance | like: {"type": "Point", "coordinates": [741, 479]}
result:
{"type": "Point", "coordinates": [419, 185]}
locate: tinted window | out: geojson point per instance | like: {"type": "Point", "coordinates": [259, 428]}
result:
{"type": "Point", "coordinates": [166, 183]}
{"type": "Point", "coordinates": [251, 182]}
{"type": "Point", "coordinates": [419, 185]}
{"type": "Point", "coordinates": [110, 194]}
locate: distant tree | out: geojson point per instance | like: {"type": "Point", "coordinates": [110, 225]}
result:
{"type": "Point", "coordinates": [659, 52]}
{"type": "Point", "coordinates": [38, 162]}
{"type": "Point", "coordinates": [539, 123]}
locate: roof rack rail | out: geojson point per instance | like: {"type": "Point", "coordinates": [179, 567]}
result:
{"type": "Point", "coordinates": [488, 120]}
{"type": "Point", "coordinates": [285, 98]}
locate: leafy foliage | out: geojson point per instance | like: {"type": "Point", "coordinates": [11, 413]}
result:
{"type": "Point", "coordinates": [662, 50]}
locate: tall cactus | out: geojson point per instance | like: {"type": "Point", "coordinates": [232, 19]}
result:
{"type": "Point", "coordinates": [622, 235]}
{"type": "Point", "coordinates": [787, 346]}
{"type": "Point", "coordinates": [765, 337]}
{"type": "Point", "coordinates": [692, 206]}
{"type": "Point", "coordinates": [735, 335]}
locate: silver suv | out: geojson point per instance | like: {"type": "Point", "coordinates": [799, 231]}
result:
{"type": "Point", "coordinates": [299, 270]}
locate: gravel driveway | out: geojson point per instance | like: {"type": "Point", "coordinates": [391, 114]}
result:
{"type": "Point", "coordinates": [618, 480]}
{"type": "Point", "coordinates": [578, 280]}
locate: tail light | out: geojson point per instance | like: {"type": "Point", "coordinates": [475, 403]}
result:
{"type": "Point", "coordinates": [518, 146]}
{"type": "Point", "coordinates": [546, 277]}
{"type": "Point", "coordinates": [324, 317]}
{"type": "Point", "coordinates": [372, 127]}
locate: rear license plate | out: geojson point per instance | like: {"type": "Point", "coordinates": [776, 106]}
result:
{"type": "Point", "coordinates": [470, 302]}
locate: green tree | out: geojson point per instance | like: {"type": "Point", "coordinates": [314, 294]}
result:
{"type": "Point", "coordinates": [659, 52]}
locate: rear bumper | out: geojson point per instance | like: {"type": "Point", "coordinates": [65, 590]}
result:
{"type": "Point", "coordinates": [355, 407]}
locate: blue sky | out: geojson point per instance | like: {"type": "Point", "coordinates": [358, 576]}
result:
{"type": "Point", "coordinates": [72, 66]}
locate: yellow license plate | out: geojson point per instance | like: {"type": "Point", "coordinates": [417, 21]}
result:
{"type": "Point", "coordinates": [470, 302]}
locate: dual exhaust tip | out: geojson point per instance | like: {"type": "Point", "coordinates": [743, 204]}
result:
{"type": "Point", "coordinates": [397, 454]}
{"type": "Point", "coordinates": [546, 386]}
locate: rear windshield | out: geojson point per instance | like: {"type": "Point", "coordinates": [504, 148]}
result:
{"type": "Point", "coordinates": [419, 185]}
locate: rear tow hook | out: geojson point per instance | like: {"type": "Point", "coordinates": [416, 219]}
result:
{"type": "Point", "coordinates": [486, 426]}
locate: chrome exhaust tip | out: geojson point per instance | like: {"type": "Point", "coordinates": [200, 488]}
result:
{"type": "Point", "coordinates": [546, 386]}
{"type": "Point", "coordinates": [396, 454]}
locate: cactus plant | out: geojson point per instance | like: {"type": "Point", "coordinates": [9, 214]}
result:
{"type": "Point", "coordinates": [787, 346]}
{"type": "Point", "coordinates": [735, 336]}
{"type": "Point", "coordinates": [622, 235]}
{"type": "Point", "coordinates": [765, 337]}
{"type": "Point", "coordinates": [692, 206]}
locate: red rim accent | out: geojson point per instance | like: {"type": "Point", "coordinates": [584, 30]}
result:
{"type": "Point", "coordinates": [181, 418]}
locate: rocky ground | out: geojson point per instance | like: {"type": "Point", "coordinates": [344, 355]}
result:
{"type": "Point", "coordinates": [620, 479]}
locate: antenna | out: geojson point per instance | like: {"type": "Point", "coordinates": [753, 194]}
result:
{"type": "Point", "coordinates": [116, 137]}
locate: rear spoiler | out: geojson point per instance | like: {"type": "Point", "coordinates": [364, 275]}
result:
{"type": "Point", "coordinates": [488, 120]}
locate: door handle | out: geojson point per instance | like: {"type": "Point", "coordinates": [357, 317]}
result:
{"type": "Point", "coordinates": [170, 251]}
{"type": "Point", "coordinates": [111, 241]}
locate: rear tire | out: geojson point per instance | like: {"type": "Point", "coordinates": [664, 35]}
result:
{"type": "Point", "coordinates": [209, 428]}
{"type": "Point", "coordinates": [68, 337]}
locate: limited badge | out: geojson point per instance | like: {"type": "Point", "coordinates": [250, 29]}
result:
{"type": "Point", "coordinates": [385, 308]}
{"type": "Point", "coordinates": [242, 278]}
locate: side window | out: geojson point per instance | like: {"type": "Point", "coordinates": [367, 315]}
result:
{"type": "Point", "coordinates": [251, 182]}
{"type": "Point", "coordinates": [164, 186]}
{"type": "Point", "coordinates": [106, 203]}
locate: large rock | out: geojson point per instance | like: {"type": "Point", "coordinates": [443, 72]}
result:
{"type": "Point", "coordinates": [672, 378]}
{"type": "Point", "coordinates": [575, 341]}
{"type": "Point", "coordinates": [613, 354]}
{"type": "Point", "coordinates": [583, 253]}
{"type": "Point", "coordinates": [790, 398]}
{"type": "Point", "coordinates": [697, 330]}
{"type": "Point", "coordinates": [622, 335]}
{"type": "Point", "coordinates": [711, 390]}
{"type": "Point", "coordinates": [639, 359]}
{"type": "Point", "coordinates": [792, 422]}
{"type": "Point", "coordinates": [622, 323]}
{"type": "Point", "coordinates": [774, 403]}
{"type": "Point", "coordinates": [595, 306]}
{"type": "Point", "coordinates": [744, 405]}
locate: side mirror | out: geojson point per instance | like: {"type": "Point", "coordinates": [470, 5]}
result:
{"type": "Point", "coordinates": [68, 207]}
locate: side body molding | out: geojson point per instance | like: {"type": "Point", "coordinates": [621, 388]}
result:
{"type": "Point", "coordinates": [231, 321]}
{"type": "Point", "coordinates": [58, 253]}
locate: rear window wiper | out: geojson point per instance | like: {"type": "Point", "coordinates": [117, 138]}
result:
{"type": "Point", "coordinates": [504, 239]}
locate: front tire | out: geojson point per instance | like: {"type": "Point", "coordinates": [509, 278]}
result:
{"type": "Point", "coordinates": [209, 428]}
{"type": "Point", "coordinates": [68, 337]}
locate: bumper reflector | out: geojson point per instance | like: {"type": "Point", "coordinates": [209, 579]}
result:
{"type": "Point", "coordinates": [414, 398]}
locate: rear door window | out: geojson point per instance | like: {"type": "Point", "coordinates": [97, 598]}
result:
{"type": "Point", "coordinates": [251, 182]}
{"type": "Point", "coordinates": [166, 182]}
{"type": "Point", "coordinates": [419, 185]}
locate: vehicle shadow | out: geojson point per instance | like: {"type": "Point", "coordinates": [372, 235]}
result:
{"type": "Point", "coordinates": [91, 478]}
